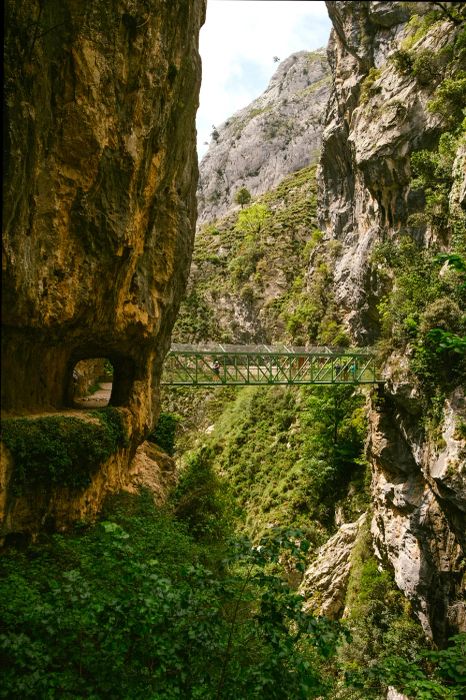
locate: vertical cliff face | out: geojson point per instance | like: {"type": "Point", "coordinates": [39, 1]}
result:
{"type": "Point", "coordinates": [378, 116]}
{"type": "Point", "coordinates": [100, 181]}
{"type": "Point", "coordinates": [99, 194]}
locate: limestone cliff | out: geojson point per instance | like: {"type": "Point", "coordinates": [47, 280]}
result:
{"type": "Point", "coordinates": [387, 66]}
{"type": "Point", "coordinates": [99, 197]}
{"type": "Point", "coordinates": [278, 133]}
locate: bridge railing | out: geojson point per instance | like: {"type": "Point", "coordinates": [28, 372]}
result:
{"type": "Point", "coordinates": [252, 365]}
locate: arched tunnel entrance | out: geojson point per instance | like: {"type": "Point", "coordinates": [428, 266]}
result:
{"type": "Point", "coordinates": [96, 382]}
{"type": "Point", "coordinates": [92, 383]}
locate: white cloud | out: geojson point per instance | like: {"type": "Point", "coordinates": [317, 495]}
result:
{"type": "Point", "coordinates": [237, 46]}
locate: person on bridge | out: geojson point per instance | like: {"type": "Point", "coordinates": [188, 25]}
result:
{"type": "Point", "coordinates": [216, 369]}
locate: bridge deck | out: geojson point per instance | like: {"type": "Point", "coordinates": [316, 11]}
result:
{"type": "Point", "coordinates": [237, 365]}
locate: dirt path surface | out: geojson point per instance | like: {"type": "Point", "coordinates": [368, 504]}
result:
{"type": "Point", "coordinates": [96, 400]}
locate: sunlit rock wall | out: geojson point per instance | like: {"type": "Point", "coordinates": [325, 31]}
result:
{"type": "Point", "coordinates": [99, 206]}
{"type": "Point", "coordinates": [99, 195]}
{"type": "Point", "coordinates": [278, 133]}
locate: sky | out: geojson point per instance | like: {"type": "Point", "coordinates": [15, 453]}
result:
{"type": "Point", "coordinates": [238, 43]}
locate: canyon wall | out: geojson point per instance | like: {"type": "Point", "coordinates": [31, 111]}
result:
{"type": "Point", "coordinates": [279, 133]}
{"type": "Point", "coordinates": [378, 115]}
{"type": "Point", "coordinates": [99, 196]}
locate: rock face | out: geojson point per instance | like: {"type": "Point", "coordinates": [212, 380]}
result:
{"type": "Point", "coordinates": [325, 581]}
{"type": "Point", "coordinates": [377, 116]}
{"type": "Point", "coordinates": [99, 195]}
{"type": "Point", "coordinates": [277, 134]}
{"type": "Point", "coordinates": [369, 135]}
{"type": "Point", "coordinates": [419, 498]}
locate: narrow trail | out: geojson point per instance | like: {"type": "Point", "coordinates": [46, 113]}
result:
{"type": "Point", "coordinates": [99, 398]}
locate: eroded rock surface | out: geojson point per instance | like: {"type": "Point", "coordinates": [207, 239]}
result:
{"type": "Point", "coordinates": [99, 196]}
{"type": "Point", "coordinates": [377, 116]}
{"type": "Point", "coordinates": [418, 492]}
{"type": "Point", "coordinates": [325, 581]}
{"type": "Point", "coordinates": [277, 134]}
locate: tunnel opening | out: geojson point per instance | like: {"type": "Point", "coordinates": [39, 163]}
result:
{"type": "Point", "coordinates": [91, 383]}
{"type": "Point", "coordinates": [96, 381]}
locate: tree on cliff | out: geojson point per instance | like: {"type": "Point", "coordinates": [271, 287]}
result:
{"type": "Point", "coordinates": [243, 196]}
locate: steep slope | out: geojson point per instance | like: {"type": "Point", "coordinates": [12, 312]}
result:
{"type": "Point", "coordinates": [277, 134]}
{"type": "Point", "coordinates": [99, 205]}
{"type": "Point", "coordinates": [392, 171]}
{"type": "Point", "coordinates": [247, 270]}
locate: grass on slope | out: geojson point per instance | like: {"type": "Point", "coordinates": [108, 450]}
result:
{"type": "Point", "coordinates": [245, 264]}
{"type": "Point", "coordinates": [289, 456]}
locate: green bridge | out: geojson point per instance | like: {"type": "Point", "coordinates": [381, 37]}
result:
{"type": "Point", "coordinates": [238, 365]}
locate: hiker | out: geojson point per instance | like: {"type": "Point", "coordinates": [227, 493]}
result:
{"type": "Point", "coordinates": [216, 368]}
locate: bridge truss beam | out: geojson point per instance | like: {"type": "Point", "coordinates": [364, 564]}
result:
{"type": "Point", "coordinates": [241, 368]}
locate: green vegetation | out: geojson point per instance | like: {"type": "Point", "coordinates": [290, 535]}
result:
{"type": "Point", "coordinates": [248, 261]}
{"type": "Point", "coordinates": [423, 307]}
{"type": "Point", "coordinates": [132, 607]}
{"type": "Point", "coordinates": [380, 623]}
{"type": "Point", "coordinates": [310, 452]}
{"type": "Point", "coordinates": [243, 196]}
{"type": "Point", "coordinates": [368, 87]}
{"type": "Point", "coordinates": [60, 450]}
{"type": "Point", "coordinates": [424, 310]}
{"type": "Point", "coordinates": [165, 431]}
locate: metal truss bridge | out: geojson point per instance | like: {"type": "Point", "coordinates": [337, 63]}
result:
{"type": "Point", "coordinates": [241, 365]}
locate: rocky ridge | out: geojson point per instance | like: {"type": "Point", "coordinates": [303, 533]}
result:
{"type": "Point", "coordinates": [277, 134]}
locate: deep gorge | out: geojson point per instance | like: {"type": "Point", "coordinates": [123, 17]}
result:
{"type": "Point", "coordinates": [131, 532]}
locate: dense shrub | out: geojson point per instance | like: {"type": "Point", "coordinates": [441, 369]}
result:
{"type": "Point", "coordinates": [61, 450]}
{"type": "Point", "coordinates": [132, 608]}
{"type": "Point", "coordinates": [423, 310]}
{"type": "Point", "coordinates": [164, 432]}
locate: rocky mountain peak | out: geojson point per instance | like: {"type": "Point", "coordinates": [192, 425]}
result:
{"type": "Point", "coordinates": [277, 134]}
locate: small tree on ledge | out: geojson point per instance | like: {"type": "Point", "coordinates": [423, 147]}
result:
{"type": "Point", "coordinates": [243, 196]}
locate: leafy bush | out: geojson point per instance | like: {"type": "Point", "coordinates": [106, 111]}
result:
{"type": "Point", "coordinates": [402, 60]}
{"type": "Point", "coordinates": [165, 431]}
{"type": "Point", "coordinates": [418, 299]}
{"type": "Point", "coordinates": [201, 500]}
{"type": "Point", "coordinates": [132, 608]}
{"type": "Point", "coordinates": [449, 99]}
{"type": "Point", "coordinates": [368, 88]}
{"type": "Point", "coordinates": [431, 674]}
{"type": "Point", "coordinates": [60, 450]}
{"type": "Point", "coordinates": [243, 196]}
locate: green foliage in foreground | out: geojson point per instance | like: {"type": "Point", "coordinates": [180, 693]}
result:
{"type": "Point", "coordinates": [133, 608]}
{"type": "Point", "coordinates": [61, 450]}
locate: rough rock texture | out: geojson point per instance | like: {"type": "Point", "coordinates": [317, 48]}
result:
{"type": "Point", "coordinates": [325, 581]}
{"type": "Point", "coordinates": [374, 121]}
{"type": "Point", "coordinates": [35, 510]}
{"type": "Point", "coordinates": [419, 498]}
{"type": "Point", "coordinates": [154, 470]}
{"type": "Point", "coordinates": [277, 134]}
{"type": "Point", "coordinates": [240, 283]}
{"type": "Point", "coordinates": [364, 171]}
{"type": "Point", "coordinates": [99, 195]}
